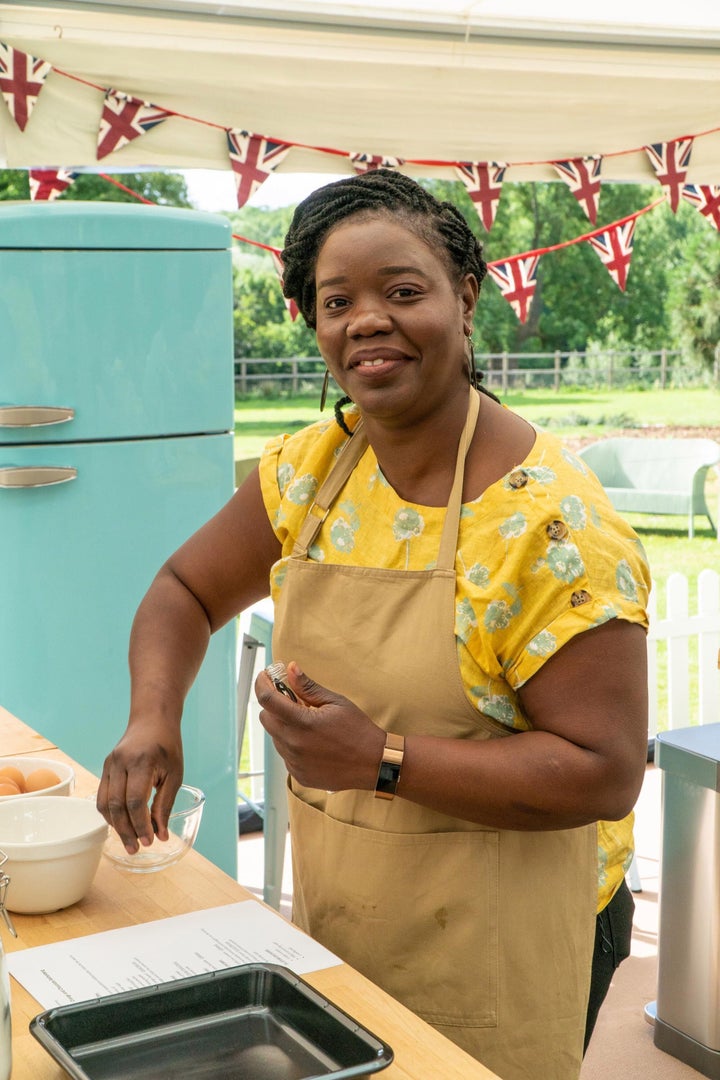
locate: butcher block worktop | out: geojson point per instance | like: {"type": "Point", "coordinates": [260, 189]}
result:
{"type": "Point", "coordinates": [117, 899]}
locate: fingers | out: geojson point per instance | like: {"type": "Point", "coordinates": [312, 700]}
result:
{"type": "Point", "coordinates": [122, 799]}
{"type": "Point", "coordinates": [162, 805]}
{"type": "Point", "coordinates": [124, 795]}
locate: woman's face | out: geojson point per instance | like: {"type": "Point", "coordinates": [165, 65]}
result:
{"type": "Point", "coordinates": [391, 322]}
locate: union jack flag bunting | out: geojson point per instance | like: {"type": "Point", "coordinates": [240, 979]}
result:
{"type": "Point", "coordinates": [706, 199]}
{"type": "Point", "coordinates": [22, 77]}
{"type": "Point", "coordinates": [614, 246]}
{"type": "Point", "coordinates": [123, 119]}
{"type": "Point", "coordinates": [670, 161]}
{"type": "Point", "coordinates": [363, 163]}
{"type": "Point", "coordinates": [47, 184]}
{"type": "Point", "coordinates": [292, 307]}
{"type": "Point", "coordinates": [582, 175]}
{"type": "Point", "coordinates": [253, 158]}
{"type": "Point", "coordinates": [517, 279]}
{"type": "Point", "coordinates": [483, 180]}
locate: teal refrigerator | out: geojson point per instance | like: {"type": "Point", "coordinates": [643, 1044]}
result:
{"type": "Point", "coordinates": [116, 444]}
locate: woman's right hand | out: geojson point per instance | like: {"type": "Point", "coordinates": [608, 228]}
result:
{"type": "Point", "coordinates": [147, 757]}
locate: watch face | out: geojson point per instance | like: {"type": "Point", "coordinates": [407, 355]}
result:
{"type": "Point", "coordinates": [388, 777]}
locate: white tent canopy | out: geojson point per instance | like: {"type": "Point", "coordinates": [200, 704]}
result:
{"type": "Point", "coordinates": [427, 81]}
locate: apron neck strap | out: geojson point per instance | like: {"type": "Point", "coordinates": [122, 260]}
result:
{"type": "Point", "coordinates": [328, 491]}
{"type": "Point", "coordinates": [346, 461]}
{"type": "Point", "coordinates": [451, 525]}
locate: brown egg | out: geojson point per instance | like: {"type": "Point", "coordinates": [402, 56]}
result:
{"type": "Point", "coordinates": [11, 772]}
{"type": "Point", "coordinates": [41, 778]}
{"type": "Point", "coordinates": [9, 787]}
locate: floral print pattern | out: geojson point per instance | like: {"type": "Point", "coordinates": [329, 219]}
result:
{"type": "Point", "coordinates": [301, 490]}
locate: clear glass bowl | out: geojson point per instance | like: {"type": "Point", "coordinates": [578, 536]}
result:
{"type": "Point", "coordinates": [183, 827]}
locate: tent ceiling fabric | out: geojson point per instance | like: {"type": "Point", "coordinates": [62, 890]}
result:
{"type": "Point", "coordinates": [374, 86]}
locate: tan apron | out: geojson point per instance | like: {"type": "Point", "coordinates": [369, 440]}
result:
{"type": "Point", "coordinates": [487, 934]}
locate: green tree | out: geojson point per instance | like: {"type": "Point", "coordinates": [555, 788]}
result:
{"type": "Point", "coordinates": [694, 298]}
{"type": "Point", "coordinates": [576, 301]}
{"type": "Point", "coordinates": [163, 188]}
{"type": "Point", "coordinates": [14, 184]}
{"type": "Point", "coordinates": [262, 324]}
{"type": "Point", "coordinates": [265, 226]}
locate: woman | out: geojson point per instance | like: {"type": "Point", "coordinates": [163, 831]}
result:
{"type": "Point", "coordinates": [463, 619]}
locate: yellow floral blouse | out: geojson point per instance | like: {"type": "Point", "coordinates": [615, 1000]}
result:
{"type": "Point", "coordinates": [541, 557]}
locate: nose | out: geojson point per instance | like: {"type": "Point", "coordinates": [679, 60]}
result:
{"type": "Point", "coordinates": [367, 317]}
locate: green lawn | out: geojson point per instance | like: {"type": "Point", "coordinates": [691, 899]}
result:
{"type": "Point", "coordinates": [592, 412]}
{"type": "Point", "coordinates": [569, 412]}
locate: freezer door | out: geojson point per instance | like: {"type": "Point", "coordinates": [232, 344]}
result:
{"type": "Point", "coordinates": [84, 529]}
{"type": "Point", "coordinates": [115, 344]}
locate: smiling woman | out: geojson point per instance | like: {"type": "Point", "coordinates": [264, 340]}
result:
{"type": "Point", "coordinates": [462, 618]}
{"type": "Point", "coordinates": [362, 295]}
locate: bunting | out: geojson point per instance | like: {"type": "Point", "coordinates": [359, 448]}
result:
{"type": "Point", "coordinates": [47, 184]}
{"type": "Point", "coordinates": [22, 77]}
{"type": "Point", "coordinates": [670, 161]}
{"type": "Point", "coordinates": [706, 199]}
{"type": "Point", "coordinates": [252, 158]}
{"type": "Point", "coordinates": [483, 180]}
{"type": "Point", "coordinates": [292, 307]}
{"type": "Point", "coordinates": [123, 119]}
{"type": "Point", "coordinates": [614, 246]}
{"type": "Point", "coordinates": [363, 163]}
{"type": "Point", "coordinates": [582, 175]}
{"type": "Point", "coordinates": [517, 279]}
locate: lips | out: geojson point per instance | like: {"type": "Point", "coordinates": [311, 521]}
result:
{"type": "Point", "coordinates": [375, 358]}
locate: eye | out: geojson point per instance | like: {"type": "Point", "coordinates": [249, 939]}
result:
{"type": "Point", "coordinates": [333, 303]}
{"type": "Point", "coordinates": [405, 292]}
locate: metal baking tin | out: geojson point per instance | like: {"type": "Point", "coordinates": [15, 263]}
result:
{"type": "Point", "coordinates": [253, 1022]}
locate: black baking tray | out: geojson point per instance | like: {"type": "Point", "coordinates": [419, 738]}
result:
{"type": "Point", "coordinates": [253, 1022]}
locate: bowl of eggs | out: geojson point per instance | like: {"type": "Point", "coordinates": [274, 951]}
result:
{"type": "Point", "coordinates": [53, 848]}
{"type": "Point", "coordinates": [27, 775]}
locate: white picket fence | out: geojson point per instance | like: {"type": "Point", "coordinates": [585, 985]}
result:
{"type": "Point", "coordinates": [691, 651]}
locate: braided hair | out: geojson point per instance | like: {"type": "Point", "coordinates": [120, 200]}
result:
{"type": "Point", "coordinates": [380, 191]}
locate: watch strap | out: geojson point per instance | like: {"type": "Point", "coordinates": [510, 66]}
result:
{"type": "Point", "coordinates": [390, 766]}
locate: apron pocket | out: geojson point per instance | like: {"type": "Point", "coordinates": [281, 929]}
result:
{"type": "Point", "coordinates": [414, 912]}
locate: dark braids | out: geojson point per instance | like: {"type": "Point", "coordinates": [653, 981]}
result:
{"type": "Point", "coordinates": [380, 191]}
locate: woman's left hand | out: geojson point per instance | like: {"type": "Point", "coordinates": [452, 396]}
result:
{"type": "Point", "coordinates": [325, 740]}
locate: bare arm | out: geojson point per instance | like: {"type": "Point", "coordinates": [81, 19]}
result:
{"type": "Point", "coordinates": [583, 761]}
{"type": "Point", "coordinates": [220, 570]}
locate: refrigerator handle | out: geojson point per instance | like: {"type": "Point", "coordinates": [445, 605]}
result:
{"type": "Point", "coordinates": [29, 476]}
{"type": "Point", "coordinates": [23, 416]}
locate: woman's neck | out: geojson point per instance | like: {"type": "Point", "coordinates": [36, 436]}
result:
{"type": "Point", "coordinates": [419, 461]}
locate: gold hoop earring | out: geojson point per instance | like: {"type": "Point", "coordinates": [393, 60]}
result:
{"type": "Point", "coordinates": [323, 392]}
{"type": "Point", "coordinates": [471, 362]}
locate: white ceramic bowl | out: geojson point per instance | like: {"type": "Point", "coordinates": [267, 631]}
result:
{"type": "Point", "coordinates": [53, 848]}
{"type": "Point", "coordinates": [183, 826]}
{"type": "Point", "coordinates": [27, 765]}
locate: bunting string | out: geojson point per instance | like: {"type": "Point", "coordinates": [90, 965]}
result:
{"type": "Point", "coordinates": [516, 276]}
{"type": "Point", "coordinates": [253, 156]}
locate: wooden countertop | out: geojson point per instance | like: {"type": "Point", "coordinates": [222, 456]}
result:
{"type": "Point", "coordinates": [117, 899]}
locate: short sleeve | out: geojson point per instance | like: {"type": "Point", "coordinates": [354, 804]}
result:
{"type": "Point", "coordinates": [565, 562]}
{"type": "Point", "coordinates": [291, 468]}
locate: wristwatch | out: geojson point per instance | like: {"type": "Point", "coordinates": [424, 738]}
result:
{"type": "Point", "coordinates": [390, 766]}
